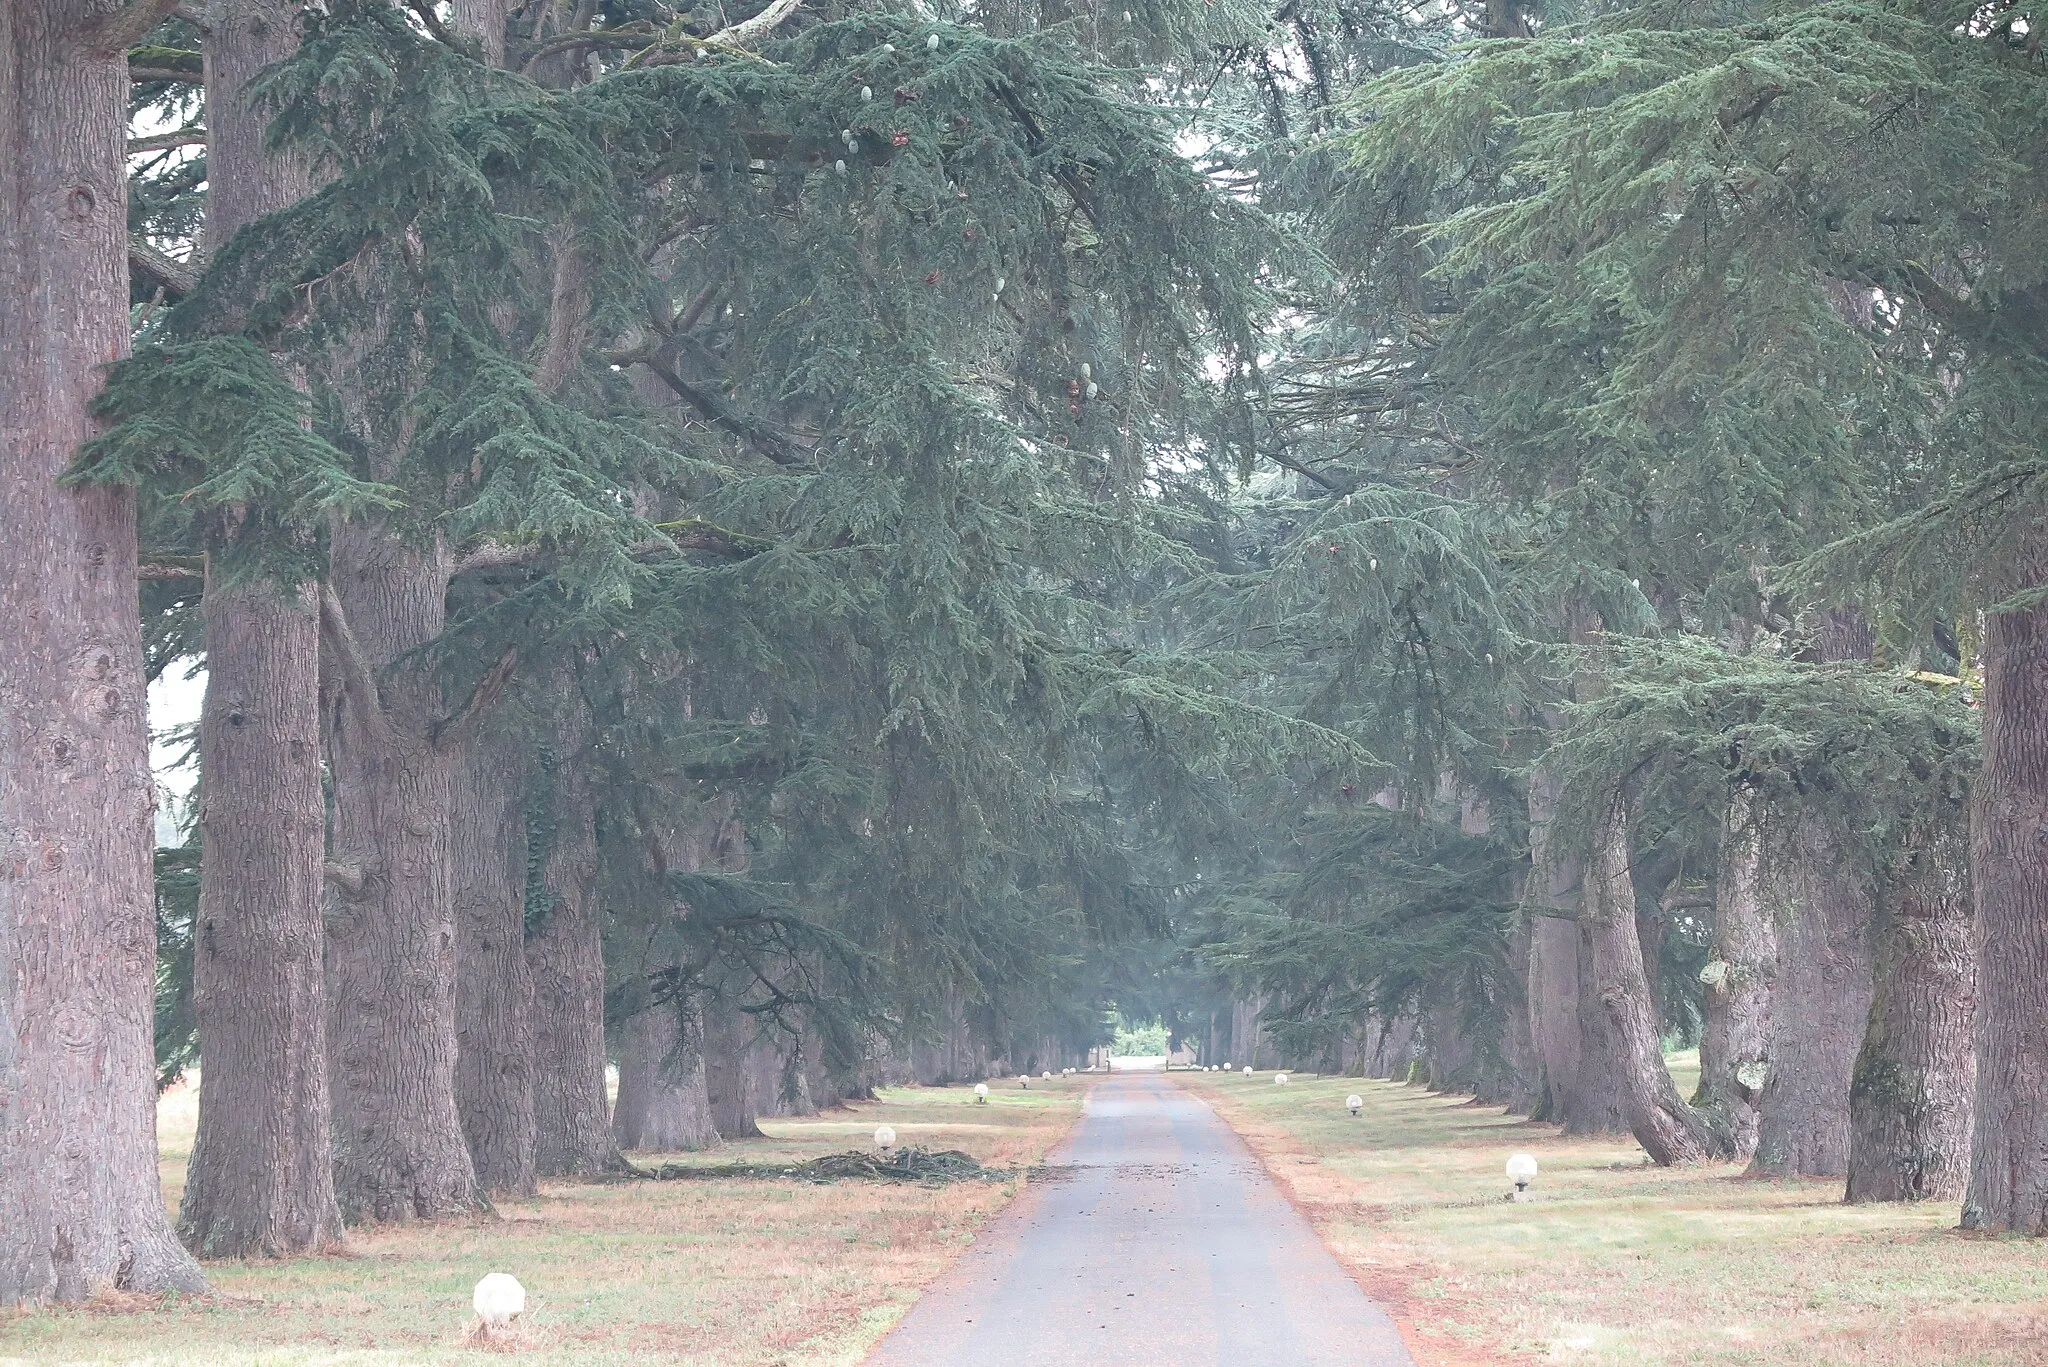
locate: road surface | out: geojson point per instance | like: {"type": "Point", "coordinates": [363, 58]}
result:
{"type": "Point", "coordinates": [1158, 1241]}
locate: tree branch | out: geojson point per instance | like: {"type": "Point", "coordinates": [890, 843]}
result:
{"type": "Point", "coordinates": [126, 26]}
{"type": "Point", "coordinates": [146, 74]}
{"type": "Point", "coordinates": [610, 37]}
{"type": "Point", "coordinates": [459, 728]}
{"type": "Point", "coordinates": [765, 439]}
{"type": "Point", "coordinates": [568, 306]}
{"type": "Point", "coordinates": [348, 877]}
{"type": "Point", "coordinates": [425, 10]}
{"type": "Point", "coordinates": [492, 554]}
{"type": "Point", "coordinates": [177, 278]}
{"type": "Point", "coordinates": [750, 31]}
{"type": "Point", "coordinates": [169, 570]}
{"type": "Point", "coordinates": [157, 142]}
{"type": "Point", "coordinates": [356, 673]}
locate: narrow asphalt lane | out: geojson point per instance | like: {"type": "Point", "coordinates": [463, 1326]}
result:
{"type": "Point", "coordinates": [1158, 1241]}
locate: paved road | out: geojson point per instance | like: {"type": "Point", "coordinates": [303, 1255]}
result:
{"type": "Point", "coordinates": [1166, 1245]}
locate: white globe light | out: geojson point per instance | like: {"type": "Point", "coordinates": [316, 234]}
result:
{"type": "Point", "coordinates": [1354, 1101]}
{"type": "Point", "coordinates": [885, 1136]}
{"type": "Point", "coordinates": [498, 1300]}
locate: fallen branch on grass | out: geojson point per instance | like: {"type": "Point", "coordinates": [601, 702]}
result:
{"type": "Point", "coordinates": [924, 1166]}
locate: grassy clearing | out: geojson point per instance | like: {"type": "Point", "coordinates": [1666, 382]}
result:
{"type": "Point", "coordinates": [736, 1273]}
{"type": "Point", "coordinates": [1618, 1262]}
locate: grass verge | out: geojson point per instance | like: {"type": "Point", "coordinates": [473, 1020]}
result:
{"type": "Point", "coordinates": [738, 1273]}
{"type": "Point", "coordinates": [1617, 1261]}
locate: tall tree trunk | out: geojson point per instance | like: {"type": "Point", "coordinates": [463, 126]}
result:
{"type": "Point", "coordinates": [1820, 1010]}
{"type": "Point", "coordinates": [494, 990]}
{"type": "Point", "coordinates": [400, 1153]}
{"type": "Point", "coordinates": [261, 1180]}
{"type": "Point", "coordinates": [80, 1205]}
{"type": "Point", "coordinates": [2009, 881]}
{"type": "Point", "coordinates": [1580, 1085]}
{"type": "Point", "coordinates": [728, 1071]}
{"type": "Point", "coordinates": [1735, 1042]}
{"type": "Point", "coordinates": [1909, 1103]}
{"type": "Point", "coordinates": [664, 1106]}
{"type": "Point", "coordinates": [573, 1135]}
{"type": "Point", "coordinates": [1669, 1130]}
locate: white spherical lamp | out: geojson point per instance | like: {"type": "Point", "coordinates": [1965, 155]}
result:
{"type": "Point", "coordinates": [499, 1299]}
{"type": "Point", "coordinates": [1522, 1171]}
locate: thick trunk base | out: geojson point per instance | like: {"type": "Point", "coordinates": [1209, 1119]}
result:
{"type": "Point", "coordinates": [261, 1180]}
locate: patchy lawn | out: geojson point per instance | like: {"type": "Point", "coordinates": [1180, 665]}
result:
{"type": "Point", "coordinates": [727, 1272]}
{"type": "Point", "coordinates": [1616, 1261]}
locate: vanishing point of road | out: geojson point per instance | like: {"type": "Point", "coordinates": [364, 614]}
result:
{"type": "Point", "coordinates": [1159, 1242]}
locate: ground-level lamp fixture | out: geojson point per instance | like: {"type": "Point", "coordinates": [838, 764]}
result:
{"type": "Point", "coordinates": [1353, 1102]}
{"type": "Point", "coordinates": [1521, 1171]}
{"type": "Point", "coordinates": [885, 1137]}
{"type": "Point", "coordinates": [499, 1299]}
{"type": "Point", "coordinates": [981, 1094]}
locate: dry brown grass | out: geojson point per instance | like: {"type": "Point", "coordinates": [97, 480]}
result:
{"type": "Point", "coordinates": [1619, 1262]}
{"type": "Point", "coordinates": [734, 1273]}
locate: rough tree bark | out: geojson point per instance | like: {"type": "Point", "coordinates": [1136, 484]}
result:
{"type": "Point", "coordinates": [81, 1210]}
{"type": "Point", "coordinates": [565, 953]}
{"type": "Point", "coordinates": [2009, 882]}
{"type": "Point", "coordinates": [1669, 1130]}
{"type": "Point", "coordinates": [1735, 1040]}
{"type": "Point", "coordinates": [400, 1153]}
{"type": "Point", "coordinates": [261, 1180]}
{"type": "Point", "coordinates": [494, 990]}
{"type": "Point", "coordinates": [663, 1105]}
{"type": "Point", "coordinates": [729, 1037]}
{"type": "Point", "coordinates": [1580, 1086]}
{"type": "Point", "coordinates": [1819, 1011]}
{"type": "Point", "coordinates": [1909, 1101]}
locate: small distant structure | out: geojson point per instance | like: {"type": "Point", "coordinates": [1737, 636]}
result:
{"type": "Point", "coordinates": [885, 1137]}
